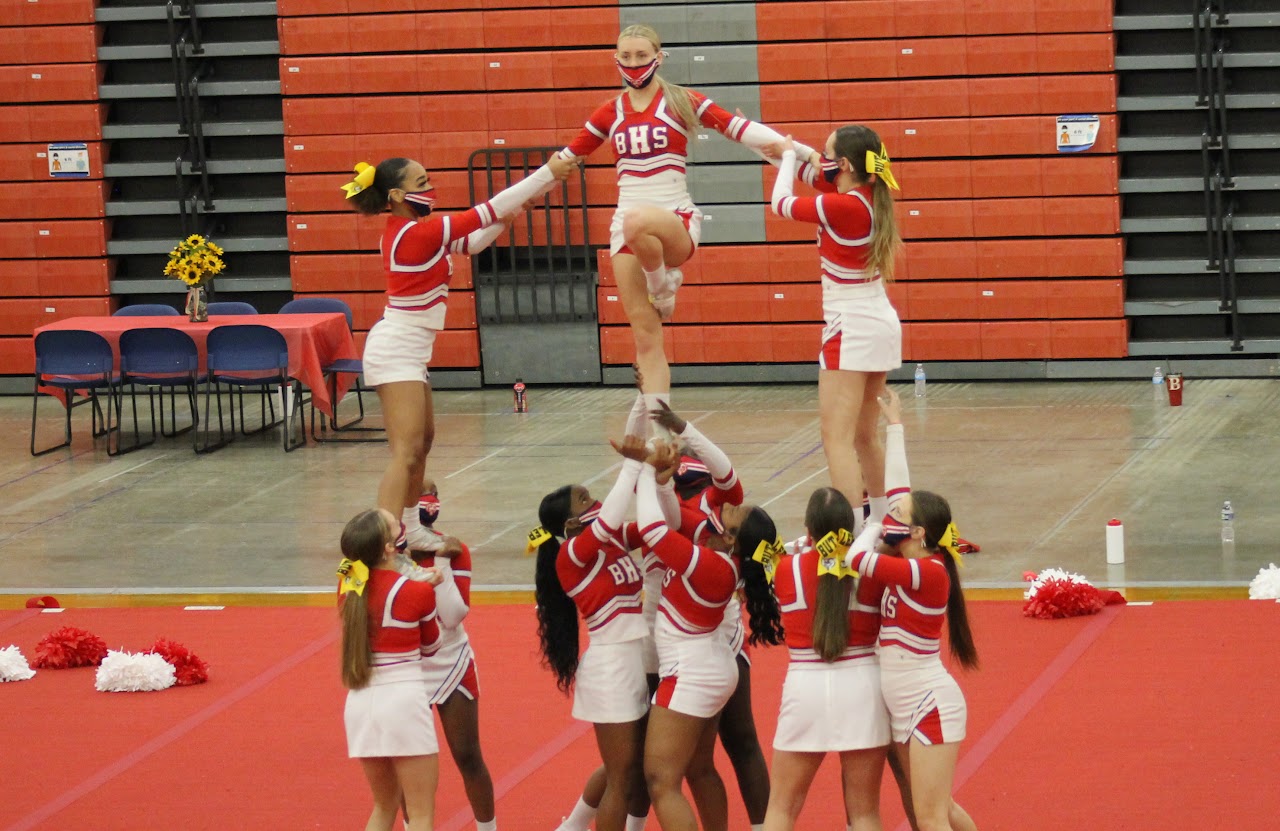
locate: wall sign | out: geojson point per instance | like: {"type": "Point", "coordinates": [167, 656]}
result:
{"type": "Point", "coordinates": [1076, 133]}
{"type": "Point", "coordinates": [69, 160]}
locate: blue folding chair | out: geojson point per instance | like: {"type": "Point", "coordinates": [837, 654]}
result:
{"type": "Point", "coordinates": [73, 360]}
{"type": "Point", "coordinates": [342, 366]}
{"type": "Point", "coordinates": [232, 307]}
{"type": "Point", "coordinates": [243, 356]}
{"type": "Point", "coordinates": [146, 310]}
{"type": "Point", "coordinates": [158, 359]}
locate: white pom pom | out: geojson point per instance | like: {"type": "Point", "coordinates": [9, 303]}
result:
{"type": "Point", "coordinates": [1266, 586]}
{"type": "Point", "coordinates": [1053, 574]}
{"type": "Point", "coordinates": [129, 672]}
{"type": "Point", "coordinates": [14, 666]}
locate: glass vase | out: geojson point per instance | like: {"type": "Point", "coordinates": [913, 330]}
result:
{"type": "Point", "coordinates": [197, 304]}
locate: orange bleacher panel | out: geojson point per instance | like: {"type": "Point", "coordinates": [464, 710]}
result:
{"type": "Point", "coordinates": [853, 102]}
{"type": "Point", "coordinates": [995, 178]}
{"type": "Point", "coordinates": [520, 110]}
{"type": "Point", "coordinates": [382, 33]}
{"type": "Point", "coordinates": [17, 356]}
{"type": "Point", "coordinates": [1077, 94]}
{"type": "Point", "coordinates": [938, 137]}
{"type": "Point", "coordinates": [512, 4]}
{"type": "Point", "coordinates": [316, 193]}
{"type": "Point", "coordinates": [75, 198]}
{"type": "Point", "coordinates": [793, 263]}
{"type": "Point", "coordinates": [730, 303]}
{"type": "Point", "coordinates": [796, 102]}
{"type": "Point", "coordinates": [443, 151]}
{"type": "Point", "coordinates": [864, 19]}
{"type": "Point", "coordinates": [1004, 96]}
{"type": "Point", "coordinates": [450, 31]}
{"type": "Point", "coordinates": [796, 343]}
{"type": "Point", "coordinates": [75, 278]}
{"type": "Point", "coordinates": [1015, 55]}
{"type": "Point", "coordinates": [30, 162]}
{"type": "Point", "coordinates": [1031, 136]}
{"type": "Point", "coordinates": [932, 57]}
{"type": "Point", "coordinates": [604, 267]}
{"type": "Point", "coordinates": [933, 98]}
{"type": "Point", "coordinates": [609, 305]}
{"type": "Point", "coordinates": [456, 349]}
{"type": "Point", "coordinates": [742, 344]}
{"type": "Point", "coordinates": [1089, 338]}
{"type": "Point", "coordinates": [314, 35]}
{"type": "Point", "coordinates": [1074, 15]}
{"type": "Point", "coordinates": [515, 70]}
{"type": "Point", "coordinates": [297, 8]}
{"type": "Point", "coordinates": [523, 29]}
{"type": "Point", "coordinates": [1085, 298]}
{"type": "Point", "coordinates": [936, 219]}
{"type": "Point", "coordinates": [524, 139]}
{"type": "Point", "coordinates": [462, 273]}
{"type": "Point", "coordinates": [1013, 300]}
{"type": "Point", "coordinates": [732, 264]}
{"type": "Point", "coordinates": [949, 300]}
{"type": "Point", "coordinates": [460, 312]}
{"type": "Point", "coordinates": [791, 21]}
{"type": "Point", "coordinates": [1076, 53]}
{"type": "Point", "coordinates": [580, 69]}
{"type": "Point", "coordinates": [1015, 340]}
{"type": "Point", "coordinates": [386, 73]}
{"type": "Point", "coordinates": [329, 75]}
{"type": "Point", "coordinates": [598, 218]}
{"type": "Point", "coordinates": [50, 44]}
{"type": "Point", "coordinates": [21, 316]}
{"type": "Point", "coordinates": [1085, 257]}
{"type": "Point", "coordinates": [13, 45]}
{"type": "Point", "coordinates": [446, 113]}
{"type": "Point", "coordinates": [54, 238]}
{"type": "Point", "coordinates": [1076, 175]}
{"type": "Point", "coordinates": [934, 179]}
{"type": "Point", "coordinates": [320, 154]}
{"type": "Point", "coordinates": [999, 17]}
{"type": "Point", "coordinates": [857, 59]}
{"type": "Point", "coordinates": [318, 116]}
{"type": "Point", "coordinates": [943, 341]}
{"type": "Point", "coordinates": [319, 273]}
{"type": "Point", "coordinates": [801, 62]}
{"type": "Point", "coordinates": [366, 307]}
{"type": "Point", "coordinates": [53, 12]}
{"type": "Point", "coordinates": [928, 18]}
{"type": "Point", "coordinates": [898, 298]}
{"type": "Point", "coordinates": [1081, 215]}
{"type": "Point", "coordinates": [41, 83]}
{"type": "Point", "coordinates": [1009, 217]}
{"type": "Point", "coordinates": [777, 229]}
{"type": "Point", "coordinates": [597, 27]}
{"type": "Point", "coordinates": [19, 278]}
{"type": "Point", "coordinates": [948, 260]}
{"type": "Point", "coordinates": [1012, 258]}
{"type": "Point", "coordinates": [791, 302]}
{"type": "Point", "coordinates": [323, 232]}
{"type": "Point", "coordinates": [617, 346]}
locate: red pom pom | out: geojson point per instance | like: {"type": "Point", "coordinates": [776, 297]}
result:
{"type": "Point", "coordinates": [188, 669]}
{"type": "Point", "coordinates": [69, 647]}
{"type": "Point", "coordinates": [1058, 598]}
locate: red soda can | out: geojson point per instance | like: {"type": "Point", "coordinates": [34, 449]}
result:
{"type": "Point", "coordinates": [521, 402]}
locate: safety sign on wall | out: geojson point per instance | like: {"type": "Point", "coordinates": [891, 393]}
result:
{"type": "Point", "coordinates": [1076, 133]}
{"type": "Point", "coordinates": [69, 160]}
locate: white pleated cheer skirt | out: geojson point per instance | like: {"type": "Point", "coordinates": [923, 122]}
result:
{"type": "Point", "coordinates": [862, 331]}
{"type": "Point", "coordinates": [397, 349]}
{"type": "Point", "coordinates": [391, 719]}
{"type": "Point", "coordinates": [924, 701]}
{"type": "Point", "coordinates": [832, 707]}
{"type": "Point", "coordinates": [609, 687]}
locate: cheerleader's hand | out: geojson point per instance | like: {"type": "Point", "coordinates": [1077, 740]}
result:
{"type": "Point", "coordinates": [667, 463]}
{"type": "Point", "coordinates": [666, 417]}
{"type": "Point", "coordinates": [561, 167]}
{"type": "Point", "coordinates": [891, 406]}
{"type": "Point", "coordinates": [632, 447]}
{"type": "Point", "coordinates": [434, 575]}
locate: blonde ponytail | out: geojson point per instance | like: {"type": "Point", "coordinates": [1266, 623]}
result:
{"type": "Point", "coordinates": [364, 538]}
{"type": "Point", "coordinates": [885, 241]}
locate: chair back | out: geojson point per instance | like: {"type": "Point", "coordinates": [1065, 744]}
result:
{"type": "Point", "coordinates": [146, 310]}
{"type": "Point", "coordinates": [73, 352]}
{"type": "Point", "coordinates": [246, 348]}
{"type": "Point", "coordinates": [157, 351]}
{"type": "Point", "coordinates": [317, 305]}
{"type": "Point", "coordinates": [232, 307]}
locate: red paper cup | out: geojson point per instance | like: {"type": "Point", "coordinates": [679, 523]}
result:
{"type": "Point", "coordinates": [1174, 383]}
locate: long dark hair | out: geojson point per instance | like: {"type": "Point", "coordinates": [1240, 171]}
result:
{"type": "Point", "coordinates": [829, 511]}
{"type": "Point", "coordinates": [932, 513]}
{"type": "Point", "coordinates": [363, 539]}
{"type": "Point", "coordinates": [557, 614]}
{"type": "Point", "coordinates": [387, 175]}
{"type": "Point", "coordinates": [763, 614]}
{"type": "Point", "coordinates": [852, 143]}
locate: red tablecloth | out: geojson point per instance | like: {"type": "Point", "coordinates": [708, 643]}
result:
{"type": "Point", "coordinates": [315, 340]}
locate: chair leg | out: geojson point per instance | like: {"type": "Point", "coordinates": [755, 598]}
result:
{"type": "Point", "coordinates": [223, 441]}
{"type": "Point", "coordinates": [35, 406]}
{"type": "Point", "coordinates": [294, 410]}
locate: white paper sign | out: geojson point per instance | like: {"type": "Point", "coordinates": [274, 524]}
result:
{"type": "Point", "coordinates": [69, 160]}
{"type": "Point", "coordinates": [1076, 133]}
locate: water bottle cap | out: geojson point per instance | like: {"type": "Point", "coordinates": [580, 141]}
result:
{"type": "Point", "coordinates": [1115, 522]}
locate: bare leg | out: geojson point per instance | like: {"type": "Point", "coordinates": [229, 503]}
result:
{"type": "Point", "coordinates": [386, 793]}
{"type": "Point", "coordinates": [620, 750]}
{"type": "Point", "coordinates": [898, 766]}
{"type": "Point", "coordinates": [792, 777]}
{"type": "Point", "coordinates": [861, 771]}
{"type": "Point", "coordinates": [460, 721]}
{"type": "Point", "coordinates": [840, 397]}
{"type": "Point", "coordinates": [866, 440]}
{"type": "Point", "coordinates": [705, 784]}
{"type": "Point", "coordinates": [406, 409]}
{"type": "Point", "coordinates": [418, 776]}
{"type": "Point", "coordinates": [670, 746]}
{"type": "Point", "coordinates": [742, 745]}
{"type": "Point", "coordinates": [646, 327]}
{"type": "Point", "coordinates": [933, 770]}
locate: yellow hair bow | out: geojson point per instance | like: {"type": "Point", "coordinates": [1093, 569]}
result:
{"type": "Point", "coordinates": [536, 538]}
{"type": "Point", "coordinates": [355, 576]}
{"type": "Point", "coordinates": [878, 163]}
{"type": "Point", "coordinates": [831, 551]}
{"type": "Point", "coordinates": [363, 179]}
{"type": "Point", "coordinates": [950, 542]}
{"type": "Point", "coordinates": [767, 554]}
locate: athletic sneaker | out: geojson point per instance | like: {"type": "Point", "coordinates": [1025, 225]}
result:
{"type": "Point", "coordinates": [664, 302]}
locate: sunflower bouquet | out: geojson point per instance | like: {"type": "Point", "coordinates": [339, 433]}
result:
{"type": "Point", "coordinates": [195, 261]}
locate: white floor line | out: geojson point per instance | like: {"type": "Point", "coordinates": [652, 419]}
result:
{"type": "Point", "coordinates": [476, 462]}
{"type": "Point", "coordinates": [493, 537]}
{"type": "Point", "coordinates": [817, 472]}
{"type": "Point", "coordinates": [135, 467]}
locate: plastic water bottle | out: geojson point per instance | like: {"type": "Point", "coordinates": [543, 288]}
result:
{"type": "Point", "coordinates": [1157, 377]}
{"type": "Point", "coordinates": [919, 380]}
{"type": "Point", "coordinates": [1228, 522]}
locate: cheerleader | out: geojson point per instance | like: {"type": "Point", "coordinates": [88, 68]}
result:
{"type": "Point", "coordinates": [416, 246]}
{"type": "Point", "coordinates": [915, 572]}
{"type": "Point", "coordinates": [583, 570]}
{"type": "Point", "coordinates": [450, 671]}
{"type": "Point", "coordinates": [696, 665]}
{"type": "Point", "coordinates": [857, 243]}
{"type": "Point", "coordinates": [831, 700]}
{"type": "Point", "coordinates": [657, 226]}
{"type": "Point", "coordinates": [388, 622]}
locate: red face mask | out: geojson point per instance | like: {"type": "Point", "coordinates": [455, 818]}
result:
{"type": "Point", "coordinates": [638, 77]}
{"type": "Point", "coordinates": [421, 201]}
